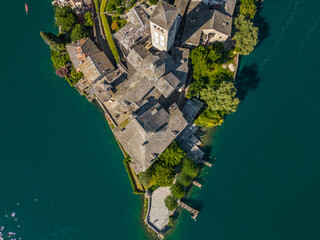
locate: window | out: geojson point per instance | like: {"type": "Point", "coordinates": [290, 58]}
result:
{"type": "Point", "coordinates": [161, 40]}
{"type": "Point", "coordinates": [156, 37]}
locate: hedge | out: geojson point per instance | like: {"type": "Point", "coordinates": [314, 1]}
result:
{"type": "Point", "coordinates": [107, 31]}
{"type": "Point", "coordinates": [133, 183]}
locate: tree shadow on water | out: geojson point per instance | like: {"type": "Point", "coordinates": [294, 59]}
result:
{"type": "Point", "coordinates": [247, 80]}
{"type": "Point", "coordinates": [261, 23]}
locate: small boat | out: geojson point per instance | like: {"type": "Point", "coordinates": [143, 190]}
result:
{"type": "Point", "coordinates": [26, 7]}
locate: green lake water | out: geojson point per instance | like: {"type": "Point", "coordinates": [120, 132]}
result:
{"type": "Point", "coordinates": [61, 171]}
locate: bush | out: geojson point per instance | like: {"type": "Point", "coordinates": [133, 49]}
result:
{"type": "Point", "coordinates": [153, 2]}
{"type": "Point", "coordinates": [246, 35]}
{"type": "Point", "coordinates": [170, 203]}
{"type": "Point", "coordinates": [184, 180]}
{"type": "Point", "coordinates": [190, 168]}
{"type": "Point", "coordinates": [172, 155]}
{"type": "Point", "coordinates": [88, 19]}
{"type": "Point", "coordinates": [79, 32]}
{"type": "Point", "coordinates": [66, 18]}
{"type": "Point", "coordinates": [209, 119]}
{"type": "Point", "coordinates": [164, 175]}
{"type": "Point", "coordinates": [60, 59]}
{"type": "Point", "coordinates": [146, 178]}
{"type": "Point", "coordinates": [177, 191]}
{"type": "Point", "coordinates": [120, 10]}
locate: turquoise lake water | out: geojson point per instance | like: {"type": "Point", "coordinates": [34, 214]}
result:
{"type": "Point", "coordinates": [61, 172]}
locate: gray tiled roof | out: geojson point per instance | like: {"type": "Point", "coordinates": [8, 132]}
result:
{"type": "Point", "coordinates": [164, 15]}
{"type": "Point", "coordinates": [222, 23]}
{"type": "Point", "coordinates": [80, 49]}
{"type": "Point", "coordinates": [145, 140]}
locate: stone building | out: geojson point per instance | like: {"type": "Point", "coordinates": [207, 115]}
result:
{"type": "Point", "coordinates": [134, 32]}
{"type": "Point", "coordinates": [164, 23]}
{"type": "Point", "coordinates": [88, 59]}
{"type": "Point", "coordinates": [147, 119]}
{"type": "Point", "coordinates": [205, 25]}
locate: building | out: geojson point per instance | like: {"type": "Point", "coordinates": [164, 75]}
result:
{"type": "Point", "coordinates": [134, 32]}
{"type": "Point", "coordinates": [164, 24]}
{"type": "Point", "coordinates": [205, 25]}
{"type": "Point", "coordinates": [88, 59]}
{"type": "Point", "coordinates": [146, 117]}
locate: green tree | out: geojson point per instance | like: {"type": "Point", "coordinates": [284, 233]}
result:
{"type": "Point", "coordinates": [190, 168]}
{"type": "Point", "coordinates": [164, 174]}
{"type": "Point", "coordinates": [52, 40]}
{"type": "Point", "coordinates": [209, 119]}
{"type": "Point", "coordinates": [184, 179]}
{"type": "Point", "coordinates": [76, 76]}
{"type": "Point", "coordinates": [170, 203]}
{"type": "Point", "coordinates": [177, 191]}
{"type": "Point", "coordinates": [79, 32]}
{"type": "Point", "coordinates": [172, 155]}
{"type": "Point", "coordinates": [153, 2]}
{"type": "Point", "coordinates": [66, 18]}
{"type": "Point", "coordinates": [222, 99]}
{"type": "Point", "coordinates": [146, 178]}
{"type": "Point", "coordinates": [88, 19]}
{"type": "Point", "coordinates": [60, 59]}
{"type": "Point", "coordinates": [248, 8]}
{"type": "Point", "coordinates": [246, 35]}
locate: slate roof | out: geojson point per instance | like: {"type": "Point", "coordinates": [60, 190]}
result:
{"type": "Point", "coordinates": [167, 84]}
{"type": "Point", "coordinates": [199, 18]}
{"type": "Point", "coordinates": [164, 15]}
{"type": "Point", "coordinates": [230, 6]}
{"type": "Point", "coordinates": [79, 50]}
{"type": "Point", "coordinates": [95, 65]}
{"type": "Point", "coordinates": [130, 34]}
{"type": "Point", "coordinates": [222, 23]}
{"type": "Point", "coordinates": [138, 16]}
{"type": "Point", "coordinates": [147, 136]}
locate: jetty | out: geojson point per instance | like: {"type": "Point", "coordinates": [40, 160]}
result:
{"type": "Point", "coordinates": [196, 184]}
{"type": "Point", "coordinates": [194, 212]}
{"type": "Point", "coordinates": [206, 163]}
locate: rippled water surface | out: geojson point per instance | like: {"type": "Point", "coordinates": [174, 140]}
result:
{"type": "Point", "coordinates": [61, 172]}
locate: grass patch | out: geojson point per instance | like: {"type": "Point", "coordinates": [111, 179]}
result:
{"type": "Point", "coordinates": [107, 31]}
{"type": "Point", "coordinates": [136, 185]}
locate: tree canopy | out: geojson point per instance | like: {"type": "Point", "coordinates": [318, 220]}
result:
{"type": "Point", "coordinates": [190, 168]}
{"type": "Point", "coordinates": [248, 8]}
{"type": "Point", "coordinates": [164, 174]}
{"type": "Point", "coordinates": [177, 191]}
{"type": "Point", "coordinates": [246, 35]}
{"type": "Point", "coordinates": [52, 40]}
{"type": "Point", "coordinates": [172, 155]}
{"type": "Point", "coordinates": [66, 18]}
{"type": "Point", "coordinates": [88, 19]}
{"type": "Point", "coordinates": [209, 119]}
{"type": "Point", "coordinates": [79, 32]}
{"type": "Point", "coordinates": [184, 179]}
{"type": "Point", "coordinates": [60, 59]}
{"type": "Point", "coordinates": [146, 178]}
{"type": "Point", "coordinates": [170, 203]}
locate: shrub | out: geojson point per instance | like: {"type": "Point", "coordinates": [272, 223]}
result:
{"type": "Point", "coordinates": [146, 178]}
{"type": "Point", "coordinates": [164, 175]}
{"type": "Point", "coordinates": [66, 18]}
{"type": "Point", "coordinates": [184, 179]}
{"type": "Point", "coordinates": [190, 168]}
{"type": "Point", "coordinates": [79, 32]}
{"type": "Point", "coordinates": [170, 203]}
{"type": "Point", "coordinates": [173, 154]}
{"type": "Point", "coordinates": [178, 191]}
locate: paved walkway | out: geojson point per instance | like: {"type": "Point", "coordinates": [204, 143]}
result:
{"type": "Point", "coordinates": [159, 214]}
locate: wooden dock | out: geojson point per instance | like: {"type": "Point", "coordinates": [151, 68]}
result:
{"type": "Point", "coordinates": [194, 212]}
{"type": "Point", "coordinates": [206, 163]}
{"type": "Point", "coordinates": [196, 184]}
